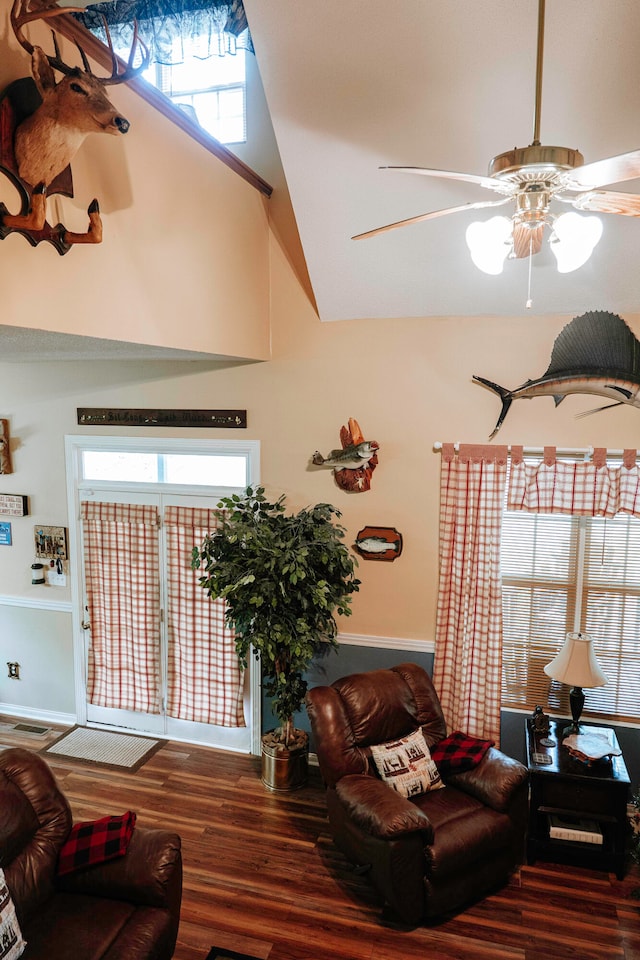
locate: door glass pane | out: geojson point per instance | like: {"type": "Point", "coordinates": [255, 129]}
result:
{"type": "Point", "coordinates": [119, 465]}
{"type": "Point", "coordinates": [219, 470]}
{"type": "Point", "coordinates": [212, 471]}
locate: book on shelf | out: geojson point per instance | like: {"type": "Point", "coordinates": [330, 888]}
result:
{"type": "Point", "coordinates": [577, 829]}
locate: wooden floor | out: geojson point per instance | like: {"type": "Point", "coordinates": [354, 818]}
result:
{"type": "Point", "coordinates": [261, 875]}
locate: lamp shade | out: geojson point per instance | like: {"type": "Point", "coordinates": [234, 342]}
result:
{"type": "Point", "coordinates": [573, 240]}
{"type": "Point", "coordinates": [576, 664]}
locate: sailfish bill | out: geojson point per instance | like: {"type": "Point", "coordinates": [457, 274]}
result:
{"type": "Point", "coordinates": [596, 353]}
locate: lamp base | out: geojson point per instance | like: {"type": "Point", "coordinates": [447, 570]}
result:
{"type": "Point", "coordinates": [572, 728]}
{"type": "Point", "coordinates": [576, 702]}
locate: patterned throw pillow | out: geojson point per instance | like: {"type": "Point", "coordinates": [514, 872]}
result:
{"type": "Point", "coordinates": [11, 943]}
{"type": "Point", "coordinates": [406, 765]}
{"type": "Point", "coordinates": [459, 752]}
{"type": "Point", "coordinates": [95, 842]}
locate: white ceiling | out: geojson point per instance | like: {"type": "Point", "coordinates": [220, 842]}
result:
{"type": "Point", "coordinates": [356, 84]}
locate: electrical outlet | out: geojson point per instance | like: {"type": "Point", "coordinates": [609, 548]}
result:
{"type": "Point", "coordinates": [55, 579]}
{"type": "Point", "coordinates": [14, 670]}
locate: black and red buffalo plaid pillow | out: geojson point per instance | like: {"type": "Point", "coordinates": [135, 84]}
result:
{"type": "Point", "coordinates": [459, 752]}
{"type": "Point", "coordinates": [96, 841]}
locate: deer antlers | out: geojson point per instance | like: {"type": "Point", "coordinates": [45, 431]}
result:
{"type": "Point", "coordinates": [21, 14]}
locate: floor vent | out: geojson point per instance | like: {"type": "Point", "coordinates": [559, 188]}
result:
{"type": "Point", "coordinates": [30, 728]}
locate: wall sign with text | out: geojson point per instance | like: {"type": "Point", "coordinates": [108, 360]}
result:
{"type": "Point", "coordinates": [13, 505]}
{"type": "Point", "coordinates": [109, 417]}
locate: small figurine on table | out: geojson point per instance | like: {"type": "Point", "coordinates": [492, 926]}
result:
{"type": "Point", "coordinates": [540, 721]}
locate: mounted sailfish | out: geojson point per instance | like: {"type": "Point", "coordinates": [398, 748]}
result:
{"type": "Point", "coordinates": [595, 353]}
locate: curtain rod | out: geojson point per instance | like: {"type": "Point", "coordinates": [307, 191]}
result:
{"type": "Point", "coordinates": [560, 451]}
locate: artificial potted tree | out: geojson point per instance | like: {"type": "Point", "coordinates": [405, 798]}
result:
{"type": "Point", "coordinates": [284, 577]}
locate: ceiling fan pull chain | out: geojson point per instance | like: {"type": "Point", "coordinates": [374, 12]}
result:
{"type": "Point", "coordinates": [529, 302]}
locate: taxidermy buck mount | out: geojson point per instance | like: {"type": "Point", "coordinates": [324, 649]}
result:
{"type": "Point", "coordinates": [44, 122]}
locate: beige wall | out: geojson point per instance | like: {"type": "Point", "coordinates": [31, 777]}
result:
{"type": "Point", "coordinates": [180, 229]}
{"type": "Point", "coordinates": [189, 252]}
{"type": "Point", "coordinates": [406, 381]}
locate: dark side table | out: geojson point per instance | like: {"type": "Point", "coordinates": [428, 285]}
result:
{"type": "Point", "coordinates": [563, 786]}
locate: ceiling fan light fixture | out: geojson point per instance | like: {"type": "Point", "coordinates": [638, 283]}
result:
{"type": "Point", "coordinates": [573, 240]}
{"type": "Point", "coordinates": [490, 243]}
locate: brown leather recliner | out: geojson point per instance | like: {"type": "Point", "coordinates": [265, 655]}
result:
{"type": "Point", "coordinates": [125, 908]}
{"type": "Point", "coordinates": [429, 855]}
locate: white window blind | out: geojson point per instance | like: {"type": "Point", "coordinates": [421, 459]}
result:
{"type": "Point", "coordinates": [568, 573]}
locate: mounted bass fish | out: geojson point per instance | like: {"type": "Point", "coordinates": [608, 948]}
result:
{"type": "Point", "coordinates": [354, 463]}
{"type": "Point", "coordinates": [595, 353]}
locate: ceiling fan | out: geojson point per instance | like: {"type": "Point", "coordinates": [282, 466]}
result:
{"type": "Point", "coordinates": [529, 178]}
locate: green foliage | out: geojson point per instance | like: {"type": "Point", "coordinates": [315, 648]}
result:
{"type": "Point", "coordinates": [284, 578]}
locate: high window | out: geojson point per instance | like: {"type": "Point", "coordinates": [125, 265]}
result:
{"type": "Point", "coordinates": [196, 54]}
{"type": "Point", "coordinates": [212, 91]}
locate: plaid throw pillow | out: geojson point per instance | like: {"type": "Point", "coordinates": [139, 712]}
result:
{"type": "Point", "coordinates": [11, 943]}
{"type": "Point", "coordinates": [459, 752]}
{"type": "Point", "coordinates": [96, 841]}
{"type": "Point", "coordinates": [406, 765]}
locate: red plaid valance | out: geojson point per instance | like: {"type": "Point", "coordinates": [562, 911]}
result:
{"type": "Point", "coordinates": [589, 488]}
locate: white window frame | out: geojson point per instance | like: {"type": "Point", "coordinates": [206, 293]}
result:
{"type": "Point", "coordinates": [75, 446]}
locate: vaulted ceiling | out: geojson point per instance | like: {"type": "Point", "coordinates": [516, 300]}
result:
{"type": "Point", "coordinates": [353, 85]}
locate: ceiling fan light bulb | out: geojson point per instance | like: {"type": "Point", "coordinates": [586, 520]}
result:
{"type": "Point", "coordinates": [574, 239]}
{"type": "Point", "coordinates": [489, 243]}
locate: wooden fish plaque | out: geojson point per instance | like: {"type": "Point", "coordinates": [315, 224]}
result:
{"type": "Point", "coordinates": [13, 505]}
{"type": "Point", "coordinates": [110, 417]}
{"type": "Point", "coordinates": [379, 543]}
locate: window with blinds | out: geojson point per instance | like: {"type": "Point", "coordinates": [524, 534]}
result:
{"type": "Point", "coordinates": [570, 573]}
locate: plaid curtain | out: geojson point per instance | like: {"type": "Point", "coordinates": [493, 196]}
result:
{"type": "Point", "coordinates": [205, 682]}
{"type": "Point", "coordinates": [468, 659]}
{"type": "Point", "coordinates": [587, 488]}
{"type": "Point", "coordinates": [123, 599]}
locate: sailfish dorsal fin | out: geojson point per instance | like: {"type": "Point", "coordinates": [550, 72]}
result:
{"type": "Point", "coordinates": [596, 341]}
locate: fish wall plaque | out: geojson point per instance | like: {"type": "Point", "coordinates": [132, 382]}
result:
{"type": "Point", "coordinates": [596, 353]}
{"type": "Point", "coordinates": [354, 463]}
{"type": "Point", "coordinates": [379, 543]}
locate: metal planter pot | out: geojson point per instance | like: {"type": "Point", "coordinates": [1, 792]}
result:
{"type": "Point", "coordinates": [285, 768]}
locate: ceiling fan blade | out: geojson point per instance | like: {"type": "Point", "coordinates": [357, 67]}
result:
{"type": "Point", "coordinates": [626, 166]}
{"type": "Point", "coordinates": [488, 182]}
{"type": "Point", "coordinates": [606, 201]}
{"type": "Point", "coordinates": [430, 216]}
{"type": "Point", "coordinates": [527, 241]}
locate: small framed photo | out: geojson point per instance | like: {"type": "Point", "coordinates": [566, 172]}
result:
{"type": "Point", "coordinates": [5, 534]}
{"type": "Point", "coordinates": [50, 543]}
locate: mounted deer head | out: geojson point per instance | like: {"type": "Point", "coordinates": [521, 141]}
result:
{"type": "Point", "coordinates": [46, 141]}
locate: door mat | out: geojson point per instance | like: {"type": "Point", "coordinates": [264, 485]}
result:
{"type": "Point", "coordinates": [116, 750]}
{"type": "Point", "coordinates": [221, 953]}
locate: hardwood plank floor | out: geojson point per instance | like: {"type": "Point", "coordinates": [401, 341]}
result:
{"type": "Point", "coordinates": [261, 874]}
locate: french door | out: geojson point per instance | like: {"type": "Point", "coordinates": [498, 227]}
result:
{"type": "Point", "coordinates": [154, 652]}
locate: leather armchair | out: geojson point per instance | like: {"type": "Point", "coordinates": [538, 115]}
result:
{"type": "Point", "coordinates": [429, 855]}
{"type": "Point", "coordinates": [125, 908]}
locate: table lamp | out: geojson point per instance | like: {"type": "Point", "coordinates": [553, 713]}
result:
{"type": "Point", "coordinates": [576, 665]}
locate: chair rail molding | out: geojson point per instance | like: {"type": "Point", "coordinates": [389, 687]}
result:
{"type": "Point", "coordinates": [387, 643]}
{"type": "Point", "coordinates": [62, 606]}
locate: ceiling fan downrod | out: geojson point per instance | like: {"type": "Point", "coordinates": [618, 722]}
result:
{"type": "Point", "coordinates": [535, 163]}
{"type": "Point", "coordinates": [539, 60]}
